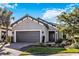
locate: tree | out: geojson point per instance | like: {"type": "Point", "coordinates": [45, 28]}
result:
{"type": "Point", "coordinates": [69, 23]}
{"type": "Point", "coordinates": [5, 17]}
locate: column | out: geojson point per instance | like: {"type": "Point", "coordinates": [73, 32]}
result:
{"type": "Point", "coordinates": [14, 36]}
{"type": "Point", "coordinates": [56, 35]}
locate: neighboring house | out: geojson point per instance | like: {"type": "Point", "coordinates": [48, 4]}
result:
{"type": "Point", "coordinates": [32, 30]}
{"type": "Point", "coordinates": [3, 31]}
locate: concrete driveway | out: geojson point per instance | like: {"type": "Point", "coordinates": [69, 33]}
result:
{"type": "Point", "coordinates": [19, 45]}
{"type": "Point", "coordinates": [15, 49]}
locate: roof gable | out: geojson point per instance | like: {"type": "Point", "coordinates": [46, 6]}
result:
{"type": "Point", "coordinates": [38, 19]}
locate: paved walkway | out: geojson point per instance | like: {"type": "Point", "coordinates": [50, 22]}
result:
{"type": "Point", "coordinates": [66, 54]}
{"type": "Point", "coordinates": [12, 52]}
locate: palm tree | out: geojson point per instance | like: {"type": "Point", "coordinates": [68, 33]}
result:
{"type": "Point", "coordinates": [5, 17]}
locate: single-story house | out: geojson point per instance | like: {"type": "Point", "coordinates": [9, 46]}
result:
{"type": "Point", "coordinates": [3, 31]}
{"type": "Point", "coordinates": [31, 30]}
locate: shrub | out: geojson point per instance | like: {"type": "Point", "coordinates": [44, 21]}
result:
{"type": "Point", "coordinates": [77, 39]}
{"type": "Point", "coordinates": [74, 45]}
{"type": "Point", "coordinates": [59, 41]}
{"type": "Point", "coordinates": [63, 43]}
{"type": "Point", "coordinates": [42, 45]}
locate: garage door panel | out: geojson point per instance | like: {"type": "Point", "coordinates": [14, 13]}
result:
{"type": "Point", "coordinates": [28, 36]}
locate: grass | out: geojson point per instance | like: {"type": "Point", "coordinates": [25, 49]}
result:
{"type": "Point", "coordinates": [71, 51]}
{"type": "Point", "coordinates": [48, 50]}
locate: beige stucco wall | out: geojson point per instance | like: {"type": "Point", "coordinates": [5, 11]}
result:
{"type": "Point", "coordinates": [29, 24]}
{"type": "Point", "coordinates": [9, 33]}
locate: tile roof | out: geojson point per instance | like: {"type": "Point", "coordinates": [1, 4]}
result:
{"type": "Point", "coordinates": [38, 19]}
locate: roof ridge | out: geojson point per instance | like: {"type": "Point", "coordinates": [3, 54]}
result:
{"type": "Point", "coordinates": [46, 21]}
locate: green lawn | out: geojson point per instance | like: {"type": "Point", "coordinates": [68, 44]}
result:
{"type": "Point", "coordinates": [48, 50]}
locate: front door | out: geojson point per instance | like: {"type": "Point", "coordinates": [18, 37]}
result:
{"type": "Point", "coordinates": [51, 36]}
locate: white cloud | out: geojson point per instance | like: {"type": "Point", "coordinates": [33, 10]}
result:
{"type": "Point", "coordinates": [12, 6]}
{"type": "Point", "coordinates": [50, 14]}
{"type": "Point", "coordinates": [16, 4]}
{"type": "Point", "coordinates": [71, 6]}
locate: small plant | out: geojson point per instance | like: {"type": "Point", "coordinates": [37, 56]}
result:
{"type": "Point", "coordinates": [42, 45]}
{"type": "Point", "coordinates": [9, 39]}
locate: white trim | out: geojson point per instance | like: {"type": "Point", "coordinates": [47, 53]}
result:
{"type": "Point", "coordinates": [40, 36]}
{"type": "Point", "coordinates": [52, 30]}
{"type": "Point", "coordinates": [24, 19]}
{"type": "Point", "coordinates": [14, 36]}
{"type": "Point", "coordinates": [35, 21]}
{"type": "Point", "coordinates": [28, 30]}
{"type": "Point", "coordinates": [55, 36]}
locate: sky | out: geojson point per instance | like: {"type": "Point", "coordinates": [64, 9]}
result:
{"type": "Point", "coordinates": [46, 11]}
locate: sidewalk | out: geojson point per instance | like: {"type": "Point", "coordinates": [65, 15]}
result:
{"type": "Point", "coordinates": [63, 54]}
{"type": "Point", "coordinates": [12, 52]}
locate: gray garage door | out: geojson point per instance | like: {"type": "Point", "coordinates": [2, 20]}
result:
{"type": "Point", "coordinates": [28, 36]}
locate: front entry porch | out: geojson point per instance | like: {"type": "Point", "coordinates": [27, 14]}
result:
{"type": "Point", "coordinates": [51, 36]}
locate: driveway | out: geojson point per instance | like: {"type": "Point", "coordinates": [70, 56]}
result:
{"type": "Point", "coordinates": [15, 48]}
{"type": "Point", "coordinates": [20, 45]}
